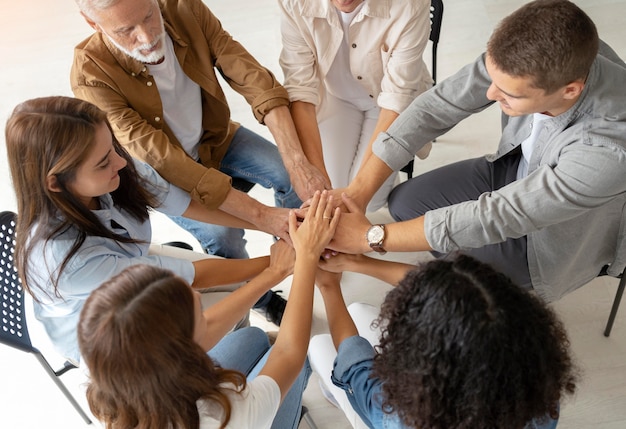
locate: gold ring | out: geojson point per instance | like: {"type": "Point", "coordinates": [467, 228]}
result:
{"type": "Point", "coordinates": [326, 217]}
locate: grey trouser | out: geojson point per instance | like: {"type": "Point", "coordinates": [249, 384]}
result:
{"type": "Point", "coordinates": [464, 181]}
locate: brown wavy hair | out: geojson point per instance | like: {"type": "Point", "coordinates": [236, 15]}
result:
{"type": "Point", "coordinates": [552, 41]}
{"type": "Point", "coordinates": [463, 347]}
{"type": "Point", "coordinates": [146, 371]}
{"type": "Point", "coordinates": [52, 136]}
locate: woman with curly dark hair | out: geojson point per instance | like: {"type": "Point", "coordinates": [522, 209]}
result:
{"type": "Point", "coordinates": [461, 346]}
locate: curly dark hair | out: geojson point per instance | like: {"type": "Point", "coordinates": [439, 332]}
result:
{"type": "Point", "coordinates": [463, 347]}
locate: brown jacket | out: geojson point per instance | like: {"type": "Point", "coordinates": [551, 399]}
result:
{"type": "Point", "coordinates": [123, 88]}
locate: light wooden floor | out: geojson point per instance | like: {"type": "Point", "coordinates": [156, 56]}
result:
{"type": "Point", "coordinates": [36, 50]}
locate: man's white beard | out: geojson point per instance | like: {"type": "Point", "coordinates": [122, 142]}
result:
{"type": "Point", "coordinates": [152, 57]}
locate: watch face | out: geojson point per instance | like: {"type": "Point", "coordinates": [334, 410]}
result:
{"type": "Point", "coordinates": [375, 234]}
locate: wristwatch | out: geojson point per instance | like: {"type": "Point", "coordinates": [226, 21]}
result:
{"type": "Point", "coordinates": [375, 236]}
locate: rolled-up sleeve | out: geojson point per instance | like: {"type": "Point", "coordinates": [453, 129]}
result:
{"type": "Point", "coordinates": [433, 113]}
{"type": "Point", "coordinates": [404, 73]}
{"type": "Point", "coordinates": [351, 372]}
{"type": "Point", "coordinates": [242, 71]}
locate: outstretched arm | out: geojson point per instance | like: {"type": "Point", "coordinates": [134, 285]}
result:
{"type": "Point", "coordinates": [385, 119]}
{"type": "Point", "coordinates": [305, 177]}
{"type": "Point", "coordinates": [287, 356]}
{"type": "Point", "coordinates": [388, 271]}
{"type": "Point", "coordinates": [305, 120]}
{"type": "Point", "coordinates": [350, 237]}
{"type": "Point", "coordinates": [272, 220]}
{"type": "Point", "coordinates": [221, 317]}
{"type": "Point", "coordinates": [217, 271]}
{"type": "Point", "coordinates": [197, 211]}
{"type": "Point", "coordinates": [339, 320]}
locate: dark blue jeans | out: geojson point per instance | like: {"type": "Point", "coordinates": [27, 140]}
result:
{"type": "Point", "coordinates": [252, 158]}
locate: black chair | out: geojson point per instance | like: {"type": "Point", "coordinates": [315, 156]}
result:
{"type": "Point", "coordinates": [616, 300]}
{"type": "Point", "coordinates": [436, 16]}
{"type": "Point", "coordinates": [13, 329]}
{"type": "Point", "coordinates": [242, 185]}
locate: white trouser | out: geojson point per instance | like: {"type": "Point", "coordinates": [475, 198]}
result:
{"type": "Point", "coordinates": [322, 355]}
{"type": "Point", "coordinates": [346, 132]}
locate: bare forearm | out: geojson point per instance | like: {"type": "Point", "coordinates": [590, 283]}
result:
{"type": "Point", "coordinates": [280, 124]}
{"type": "Point", "coordinates": [199, 212]}
{"type": "Point", "coordinates": [305, 177]}
{"type": "Point", "coordinates": [385, 119]}
{"type": "Point", "coordinates": [305, 121]}
{"type": "Point", "coordinates": [287, 356]}
{"type": "Point", "coordinates": [407, 236]}
{"type": "Point", "coordinates": [221, 317]}
{"type": "Point", "coordinates": [340, 322]}
{"type": "Point", "coordinates": [273, 220]}
{"type": "Point", "coordinates": [216, 272]}
{"type": "Point", "coordinates": [370, 177]}
{"type": "Point", "coordinates": [388, 271]}
{"type": "Point", "coordinates": [240, 205]}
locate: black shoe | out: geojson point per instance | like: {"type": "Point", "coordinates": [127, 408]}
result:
{"type": "Point", "coordinates": [303, 412]}
{"type": "Point", "coordinates": [179, 244]}
{"type": "Point", "coordinates": [275, 309]}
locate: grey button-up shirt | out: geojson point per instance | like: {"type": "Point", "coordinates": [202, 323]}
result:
{"type": "Point", "coordinates": [570, 206]}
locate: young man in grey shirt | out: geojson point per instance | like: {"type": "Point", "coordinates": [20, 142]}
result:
{"type": "Point", "coordinates": [547, 208]}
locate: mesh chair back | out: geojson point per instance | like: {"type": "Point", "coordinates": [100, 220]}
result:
{"type": "Point", "coordinates": [13, 330]}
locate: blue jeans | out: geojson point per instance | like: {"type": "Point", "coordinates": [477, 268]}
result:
{"type": "Point", "coordinates": [252, 158]}
{"type": "Point", "coordinates": [246, 350]}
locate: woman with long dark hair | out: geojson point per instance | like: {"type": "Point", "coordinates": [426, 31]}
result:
{"type": "Point", "coordinates": [83, 216]}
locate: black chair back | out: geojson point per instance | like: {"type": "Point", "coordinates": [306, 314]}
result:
{"type": "Point", "coordinates": [13, 330]}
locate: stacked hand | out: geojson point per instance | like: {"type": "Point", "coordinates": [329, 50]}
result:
{"type": "Point", "coordinates": [282, 258]}
{"type": "Point", "coordinates": [318, 227]}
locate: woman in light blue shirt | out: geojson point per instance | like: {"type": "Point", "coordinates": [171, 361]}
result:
{"type": "Point", "coordinates": [83, 216]}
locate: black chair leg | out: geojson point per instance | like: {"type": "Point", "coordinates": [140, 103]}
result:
{"type": "Point", "coordinates": [615, 307]}
{"type": "Point", "coordinates": [61, 386]}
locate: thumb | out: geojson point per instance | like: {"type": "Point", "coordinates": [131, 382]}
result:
{"type": "Point", "coordinates": [293, 222]}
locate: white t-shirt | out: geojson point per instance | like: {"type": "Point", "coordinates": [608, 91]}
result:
{"type": "Point", "coordinates": [528, 145]}
{"type": "Point", "coordinates": [181, 100]}
{"type": "Point", "coordinates": [254, 408]}
{"type": "Point", "coordinates": [339, 80]}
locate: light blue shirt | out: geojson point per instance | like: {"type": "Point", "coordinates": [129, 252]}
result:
{"type": "Point", "coordinates": [97, 260]}
{"type": "Point", "coordinates": [352, 373]}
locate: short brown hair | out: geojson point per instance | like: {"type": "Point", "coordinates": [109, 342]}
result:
{"type": "Point", "coordinates": [552, 41]}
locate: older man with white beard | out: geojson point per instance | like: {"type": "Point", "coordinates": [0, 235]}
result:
{"type": "Point", "coordinates": [151, 66]}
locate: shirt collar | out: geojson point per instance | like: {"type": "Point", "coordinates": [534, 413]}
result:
{"type": "Point", "coordinates": [322, 8]}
